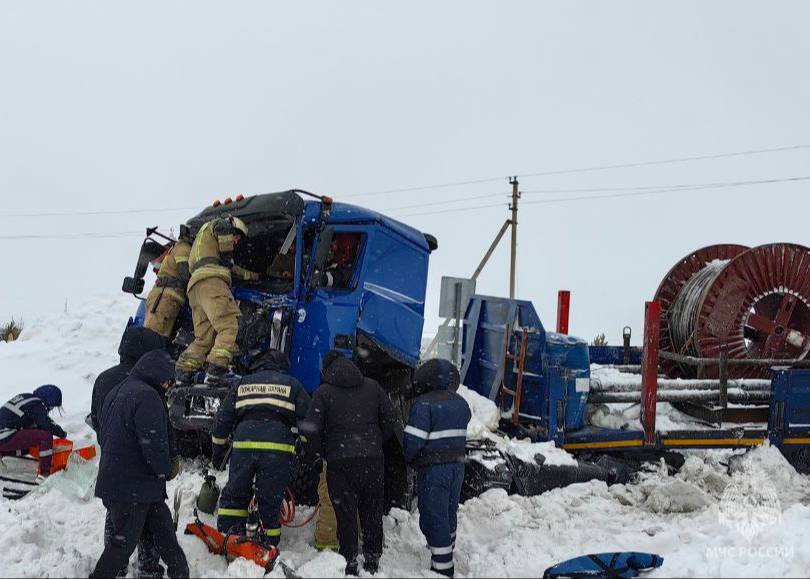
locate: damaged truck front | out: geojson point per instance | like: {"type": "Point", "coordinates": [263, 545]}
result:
{"type": "Point", "coordinates": [332, 276]}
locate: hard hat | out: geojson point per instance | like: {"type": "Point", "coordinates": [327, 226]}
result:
{"type": "Point", "coordinates": [185, 232]}
{"type": "Point", "coordinates": [239, 225]}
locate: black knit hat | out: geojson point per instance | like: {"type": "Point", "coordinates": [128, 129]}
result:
{"type": "Point", "coordinates": [436, 374]}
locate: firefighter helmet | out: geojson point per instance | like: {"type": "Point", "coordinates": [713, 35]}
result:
{"type": "Point", "coordinates": [239, 226]}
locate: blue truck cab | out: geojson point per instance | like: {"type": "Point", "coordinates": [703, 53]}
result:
{"type": "Point", "coordinates": [333, 276]}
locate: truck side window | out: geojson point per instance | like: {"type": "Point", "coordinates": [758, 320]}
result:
{"type": "Point", "coordinates": [343, 259]}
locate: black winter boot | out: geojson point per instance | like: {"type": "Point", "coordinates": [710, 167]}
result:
{"type": "Point", "coordinates": [351, 569]}
{"type": "Point", "coordinates": [371, 564]}
{"type": "Point", "coordinates": [215, 376]}
{"type": "Point", "coordinates": [183, 378]}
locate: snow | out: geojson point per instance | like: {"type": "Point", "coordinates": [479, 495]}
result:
{"type": "Point", "coordinates": [724, 514]}
{"type": "Point", "coordinates": [628, 416]}
{"type": "Point", "coordinates": [485, 414]}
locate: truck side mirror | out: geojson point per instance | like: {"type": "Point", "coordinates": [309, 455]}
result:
{"type": "Point", "coordinates": [132, 286]}
{"type": "Point", "coordinates": [150, 250]}
{"type": "Point", "coordinates": [321, 255]}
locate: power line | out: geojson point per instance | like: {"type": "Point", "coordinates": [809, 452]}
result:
{"type": "Point", "coordinates": [644, 189]}
{"type": "Point", "coordinates": [84, 235]}
{"type": "Point", "coordinates": [98, 212]}
{"type": "Point", "coordinates": [445, 202]}
{"type": "Point", "coordinates": [667, 161]}
{"type": "Point", "coordinates": [674, 190]}
{"type": "Point", "coordinates": [632, 193]}
{"type": "Point", "coordinates": [526, 174]}
{"type": "Point", "coordinates": [443, 185]}
{"type": "Point", "coordinates": [453, 210]}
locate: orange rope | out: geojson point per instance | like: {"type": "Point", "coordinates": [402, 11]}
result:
{"type": "Point", "coordinates": [288, 512]}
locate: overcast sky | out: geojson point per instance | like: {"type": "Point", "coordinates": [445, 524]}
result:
{"type": "Point", "coordinates": [164, 105]}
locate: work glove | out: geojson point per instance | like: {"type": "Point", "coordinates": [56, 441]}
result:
{"type": "Point", "coordinates": [175, 468]}
{"type": "Point", "coordinates": [218, 456]}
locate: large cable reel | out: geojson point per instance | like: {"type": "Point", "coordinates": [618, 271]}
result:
{"type": "Point", "coordinates": [748, 302]}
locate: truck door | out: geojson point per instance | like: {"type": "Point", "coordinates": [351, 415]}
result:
{"type": "Point", "coordinates": [327, 320]}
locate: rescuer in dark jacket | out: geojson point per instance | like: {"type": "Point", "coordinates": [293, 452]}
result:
{"type": "Point", "coordinates": [435, 440]}
{"type": "Point", "coordinates": [261, 413]}
{"type": "Point", "coordinates": [135, 464]}
{"type": "Point", "coordinates": [25, 424]}
{"type": "Point", "coordinates": [349, 420]}
{"type": "Point", "coordinates": [135, 342]}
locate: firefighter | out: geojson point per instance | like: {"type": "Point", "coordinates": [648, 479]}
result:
{"type": "Point", "coordinates": [260, 413]}
{"type": "Point", "coordinates": [25, 424]}
{"type": "Point", "coordinates": [434, 444]}
{"type": "Point", "coordinates": [214, 311]}
{"type": "Point", "coordinates": [349, 421]}
{"type": "Point", "coordinates": [168, 296]}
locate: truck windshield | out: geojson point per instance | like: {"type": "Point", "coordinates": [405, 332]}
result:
{"type": "Point", "coordinates": [271, 253]}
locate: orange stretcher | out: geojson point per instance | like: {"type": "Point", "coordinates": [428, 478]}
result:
{"type": "Point", "coordinates": [62, 449]}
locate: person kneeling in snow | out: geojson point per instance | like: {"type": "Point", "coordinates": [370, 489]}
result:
{"type": "Point", "coordinates": [435, 438]}
{"type": "Point", "coordinates": [25, 424]}
{"type": "Point", "coordinates": [135, 464]}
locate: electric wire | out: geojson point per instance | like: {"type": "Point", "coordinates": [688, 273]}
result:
{"type": "Point", "coordinates": [523, 175]}
{"type": "Point", "coordinates": [527, 174]}
{"type": "Point", "coordinates": [674, 190]}
{"type": "Point", "coordinates": [632, 193]}
{"type": "Point", "coordinates": [99, 212]}
{"type": "Point", "coordinates": [83, 235]}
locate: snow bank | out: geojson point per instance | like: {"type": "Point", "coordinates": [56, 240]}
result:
{"type": "Point", "coordinates": [485, 414]}
{"type": "Point", "coordinates": [485, 419]}
{"type": "Point", "coordinates": [698, 519]}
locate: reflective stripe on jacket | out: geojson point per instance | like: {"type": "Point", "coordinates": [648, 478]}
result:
{"type": "Point", "coordinates": [26, 411]}
{"type": "Point", "coordinates": [261, 412]}
{"type": "Point", "coordinates": [437, 429]}
{"type": "Point", "coordinates": [211, 253]}
{"type": "Point", "coordinates": [174, 273]}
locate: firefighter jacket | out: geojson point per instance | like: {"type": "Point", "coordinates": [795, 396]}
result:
{"type": "Point", "coordinates": [174, 273]}
{"type": "Point", "coordinates": [261, 413]}
{"type": "Point", "coordinates": [437, 427]}
{"type": "Point", "coordinates": [212, 254]}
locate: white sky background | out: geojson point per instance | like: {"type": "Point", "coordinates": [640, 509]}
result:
{"type": "Point", "coordinates": [172, 104]}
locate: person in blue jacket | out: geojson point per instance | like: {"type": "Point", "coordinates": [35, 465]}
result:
{"type": "Point", "coordinates": [261, 413]}
{"type": "Point", "coordinates": [434, 444]}
{"type": "Point", "coordinates": [135, 464]}
{"type": "Point", "coordinates": [25, 423]}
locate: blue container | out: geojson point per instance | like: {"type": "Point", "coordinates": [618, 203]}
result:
{"type": "Point", "coordinates": [556, 373]}
{"type": "Point", "coordinates": [566, 359]}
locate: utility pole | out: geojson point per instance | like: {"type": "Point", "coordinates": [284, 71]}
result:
{"type": "Point", "coordinates": [514, 207]}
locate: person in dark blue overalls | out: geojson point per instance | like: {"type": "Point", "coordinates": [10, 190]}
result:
{"type": "Point", "coordinates": [434, 444]}
{"type": "Point", "coordinates": [261, 413]}
{"type": "Point", "coordinates": [25, 424]}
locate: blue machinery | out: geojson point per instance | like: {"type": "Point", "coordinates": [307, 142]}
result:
{"type": "Point", "coordinates": [541, 381]}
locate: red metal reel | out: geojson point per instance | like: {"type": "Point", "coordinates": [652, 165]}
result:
{"type": "Point", "coordinates": [757, 307]}
{"type": "Point", "coordinates": [672, 284]}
